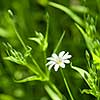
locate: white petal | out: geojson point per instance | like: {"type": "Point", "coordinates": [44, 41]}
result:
{"type": "Point", "coordinates": [56, 67]}
{"type": "Point", "coordinates": [50, 62]}
{"type": "Point", "coordinates": [67, 61]}
{"type": "Point", "coordinates": [62, 65]}
{"type": "Point", "coordinates": [54, 56]}
{"type": "Point", "coordinates": [61, 54]}
{"type": "Point", "coordinates": [50, 58]}
{"type": "Point", "coordinates": [69, 56]}
{"type": "Point", "coordinates": [50, 66]}
{"type": "Point", "coordinates": [66, 56]}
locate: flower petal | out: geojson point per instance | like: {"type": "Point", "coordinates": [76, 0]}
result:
{"type": "Point", "coordinates": [56, 67]}
{"type": "Point", "coordinates": [61, 54]}
{"type": "Point", "coordinates": [51, 58]}
{"type": "Point", "coordinates": [50, 62]}
{"type": "Point", "coordinates": [50, 66]}
{"type": "Point", "coordinates": [54, 56]}
{"type": "Point", "coordinates": [62, 65]}
{"type": "Point", "coordinates": [69, 56]}
{"type": "Point", "coordinates": [66, 56]}
{"type": "Point", "coordinates": [67, 61]}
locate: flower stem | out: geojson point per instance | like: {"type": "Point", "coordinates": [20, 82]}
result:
{"type": "Point", "coordinates": [67, 87]}
{"type": "Point", "coordinates": [23, 44]}
{"type": "Point", "coordinates": [55, 89]}
{"type": "Point", "coordinates": [59, 42]}
{"type": "Point", "coordinates": [98, 98]}
{"type": "Point", "coordinates": [45, 61]}
{"type": "Point", "coordinates": [36, 64]}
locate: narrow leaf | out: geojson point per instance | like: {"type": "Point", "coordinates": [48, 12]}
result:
{"type": "Point", "coordinates": [96, 58]}
{"type": "Point", "coordinates": [87, 39]}
{"type": "Point", "coordinates": [45, 45]}
{"type": "Point", "coordinates": [67, 11]}
{"type": "Point", "coordinates": [51, 93]}
{"type": "Point", "coordinates": [31, 78]}
{"type": "Point", "coordinates": [36, 40]}
{"type": "Point", "coordinates": [80, 9]}
{"type": "Point", "coordinates": [85, 75]}
{"type": "Point", "coordinates": [59, 42]}
{"type": "Point", "coordinates": [88, 91]}
{"type": "Point", "coordinates": [12, 59]}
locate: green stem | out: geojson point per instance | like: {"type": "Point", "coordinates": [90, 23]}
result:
{"type": "Point", "coordinates": [55, 89]}
{"type": "Point", "coordinates": [23, 44]}
{"type": "Point", "coordinates": [98, 98]}
{"type": "Point", "coordinates": [20, 39]}
{"type": "Point", "coordinates": [46, 69]}
{"type": "Point", "coordinates": [33, 70]}
{"type": "Point", "coordinates": [59, 42]}
{"type": "Point", "coordinates": [45, 40]}
{"type": "Point", "coordinates": [67, 87]}
{"type": "Point", "coordinates": [39, 69]}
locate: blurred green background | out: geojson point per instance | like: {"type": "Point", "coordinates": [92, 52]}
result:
{"type": "Point", "coordinates": [30, 16]}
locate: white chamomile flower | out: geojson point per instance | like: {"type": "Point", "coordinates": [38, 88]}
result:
{"type": "Point", "coordinates": [57, 61]}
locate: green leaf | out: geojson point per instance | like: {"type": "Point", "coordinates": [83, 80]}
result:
{"type": "Point", "coordinates": [88, 40]}
{"type": "Point", "coordinates": [43, 2]}
{"type": "Point", "coordinates": [95, 58]}
{"type": "Point", "coordinates": [67, 11]}
{"type": "Point", "coordinates": [91, 46]}
{"type": "Point", "coordinates": [88, 91]}
{"type": "Point", "coordinates": [82, 72]}
{"type": "Point", "coordinates": [16, 56]}
{"type": "Point", "coordinates": [45, 45]}
{"type": "Point", "coordinates": [89, 80]}
{"type": "Point", "coordinates": [51, 93]}
{"type": "Point", "coordinates": [85, 75]}
{"type": "Point", "coordinates": [80, 9]}
{"type": "Point", "coordinates": [59, 42]}
{"type": "Point", "coordinates": [39, 38]}
{"type": "Point", "coordinates": [28, 51]}
{"type": "Point", "coordinates": [4, 33]}
{"type": "Point", "coordinates": [13, 59]}
{"type": "Point", "coordinates": [31, 78]}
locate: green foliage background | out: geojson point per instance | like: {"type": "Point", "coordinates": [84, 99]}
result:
{"type": "Point", "coordinates": [30, 16]}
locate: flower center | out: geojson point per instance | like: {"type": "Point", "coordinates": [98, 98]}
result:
{"type": "Point", "coordinates": [59, 61]}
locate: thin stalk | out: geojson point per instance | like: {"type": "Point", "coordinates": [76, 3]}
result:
{"type": "Point", "coordinates": [39, 69]}
{"type": "Point", "coordinates": [23, 44]}
{"type": "Point", "coordinates": [52, 93]}
{"type": "Point", "coordinates": [28, 66]}
{"type": "Point", "coordinates": [98, 98]}
{"type": "Point", "coordinates": [45, 61]}
{"type": "Point", "coordinates": [59, 42]}
{"type": "Point", "coordinates": [66, 84]}
{"type": "Point", "coordinates": [46, 39]}
{"type": "Point", "coordinates": [55, 89]}
{"type": "Point", "coordinates": [20, 39]}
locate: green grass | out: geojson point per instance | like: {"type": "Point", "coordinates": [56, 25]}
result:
{"type": "Point", "coordinates": [31, 31]}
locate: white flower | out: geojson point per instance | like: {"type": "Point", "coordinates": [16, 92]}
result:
{"type": "Point", "coordinates": [58, 61]}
